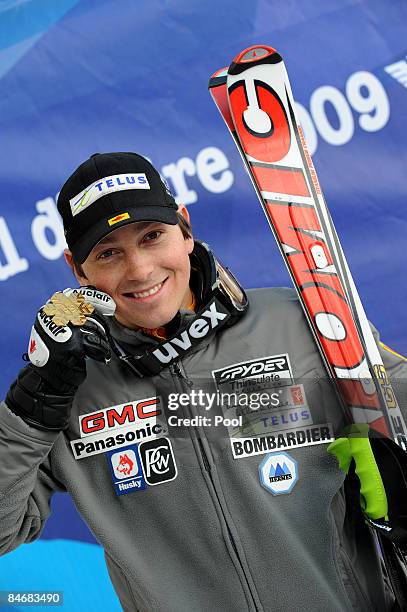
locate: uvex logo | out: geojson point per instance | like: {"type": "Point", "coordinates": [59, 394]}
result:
{"type": "Point", "coordinates": [198, 329]}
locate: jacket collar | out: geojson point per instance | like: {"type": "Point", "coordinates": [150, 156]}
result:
{"type": "Point", "coordinates": [133, 337]}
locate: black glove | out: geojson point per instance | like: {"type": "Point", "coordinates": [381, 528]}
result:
{"type": "Point", "coordinates": [44, 391]}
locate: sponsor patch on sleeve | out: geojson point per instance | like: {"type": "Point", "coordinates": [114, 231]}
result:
{"type": "Point", "coordinates": [158, 461]}
{"type": "Point", "coordinates": [265, 410]}
{"type": "Point", "coordinates": [117, 426]}
{"type": "Point", "coordinates": [135, 412]}
{"type": "Point", "coordinates": [274, 369]}
{"type": "Point", "coordinates": [138, 466]}
{"type": "Point", "coordinates": [278, 473]}
{"type": "Point", "coordinates": [125, 467]}
{"type": "Point", "coordinates": [294, 438]}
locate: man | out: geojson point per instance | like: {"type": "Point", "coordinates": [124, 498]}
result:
{"type": "Point", "coordinates": [242, 511]}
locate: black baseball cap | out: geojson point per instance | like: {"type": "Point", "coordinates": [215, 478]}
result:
{"type": "Point", "coordinates": [110, 190]}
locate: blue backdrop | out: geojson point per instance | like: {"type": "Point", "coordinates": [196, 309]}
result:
{"type": "Point", "coordinates": [85, 76]}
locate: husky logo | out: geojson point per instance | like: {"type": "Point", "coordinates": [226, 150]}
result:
{"type": "Point", "coordinates": [125, 465]}
{"type": "Point", "coordinates": [125, 468]}
{"type": "Point", "coordinates": [59, 333]}
{"type": "Point", "coordinates": [275, 364]}
{"type": "Point", "coordinates": [198, 329]}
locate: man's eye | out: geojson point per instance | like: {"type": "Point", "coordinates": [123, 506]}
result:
{"type": "Point", "coordinates": [105, 254]}
{"type": "Point", "coordinates": [154, 235]}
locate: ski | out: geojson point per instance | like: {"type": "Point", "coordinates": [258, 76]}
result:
{"type": "Point", "coordinates": [255, 100]}
{"type": "Point", "coordinates": [254, 97]}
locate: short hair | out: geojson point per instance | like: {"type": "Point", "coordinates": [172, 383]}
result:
{"type": "Point", "coordinates": [185, 228]}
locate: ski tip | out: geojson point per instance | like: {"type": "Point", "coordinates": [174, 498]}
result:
{"type": "Point", "coordinates": [218, 78]}
{"type": "Point", "coordinates": [256, 54]}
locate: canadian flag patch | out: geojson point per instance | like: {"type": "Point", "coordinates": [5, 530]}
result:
{"type": "Point", "coordinates": [38, 352]}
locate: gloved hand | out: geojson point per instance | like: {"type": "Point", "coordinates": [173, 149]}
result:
{"type": "Point", "coordinates": [44, 391]}
{"type": "Point", "coordinates": [381, 467]}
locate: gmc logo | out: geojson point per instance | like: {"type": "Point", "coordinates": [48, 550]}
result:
{"type": "Point", "coordinates": [122, 415]}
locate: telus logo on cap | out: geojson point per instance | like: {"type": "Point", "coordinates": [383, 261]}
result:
{"type": "Point", "coordinates": [109, 184]}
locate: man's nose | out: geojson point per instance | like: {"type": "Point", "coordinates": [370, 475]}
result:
{"type": "Point", "coordinates": [140, 265]}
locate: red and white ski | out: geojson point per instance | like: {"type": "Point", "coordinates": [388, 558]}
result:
{"type": "Point", "coordinates": [254, 98]}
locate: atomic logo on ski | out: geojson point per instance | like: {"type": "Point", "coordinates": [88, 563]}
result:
{"type": "Point", "coordinates": [256, 103]}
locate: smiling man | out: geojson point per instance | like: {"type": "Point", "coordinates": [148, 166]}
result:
{"type": "Point", "coordinates": [144, 267]}
{"type": "Point", "coordinates": [239, 500]}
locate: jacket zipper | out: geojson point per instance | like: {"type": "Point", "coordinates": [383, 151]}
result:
{"type": "Point", "coordinates": [181, 374]}
{"type": "Point", "coordinates": [208, 469]}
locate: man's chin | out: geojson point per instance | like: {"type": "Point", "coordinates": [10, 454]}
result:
{"type": "Point", "coordinates": [147, 323]}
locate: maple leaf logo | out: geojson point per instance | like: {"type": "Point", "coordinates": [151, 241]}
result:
{"type": "Point", "coordinates": [33, 346]}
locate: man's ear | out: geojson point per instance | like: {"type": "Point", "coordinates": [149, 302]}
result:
{"type": "Point", "coordinates": [182, 209]}
{"type": "Point", "coordinates": [82, 280]}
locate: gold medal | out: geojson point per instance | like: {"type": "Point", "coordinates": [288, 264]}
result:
{"type": "Point", "coordinates": [66, 309]}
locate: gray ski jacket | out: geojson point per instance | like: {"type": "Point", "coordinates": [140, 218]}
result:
{"type": "Point", "coordinates": [189, 518]}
